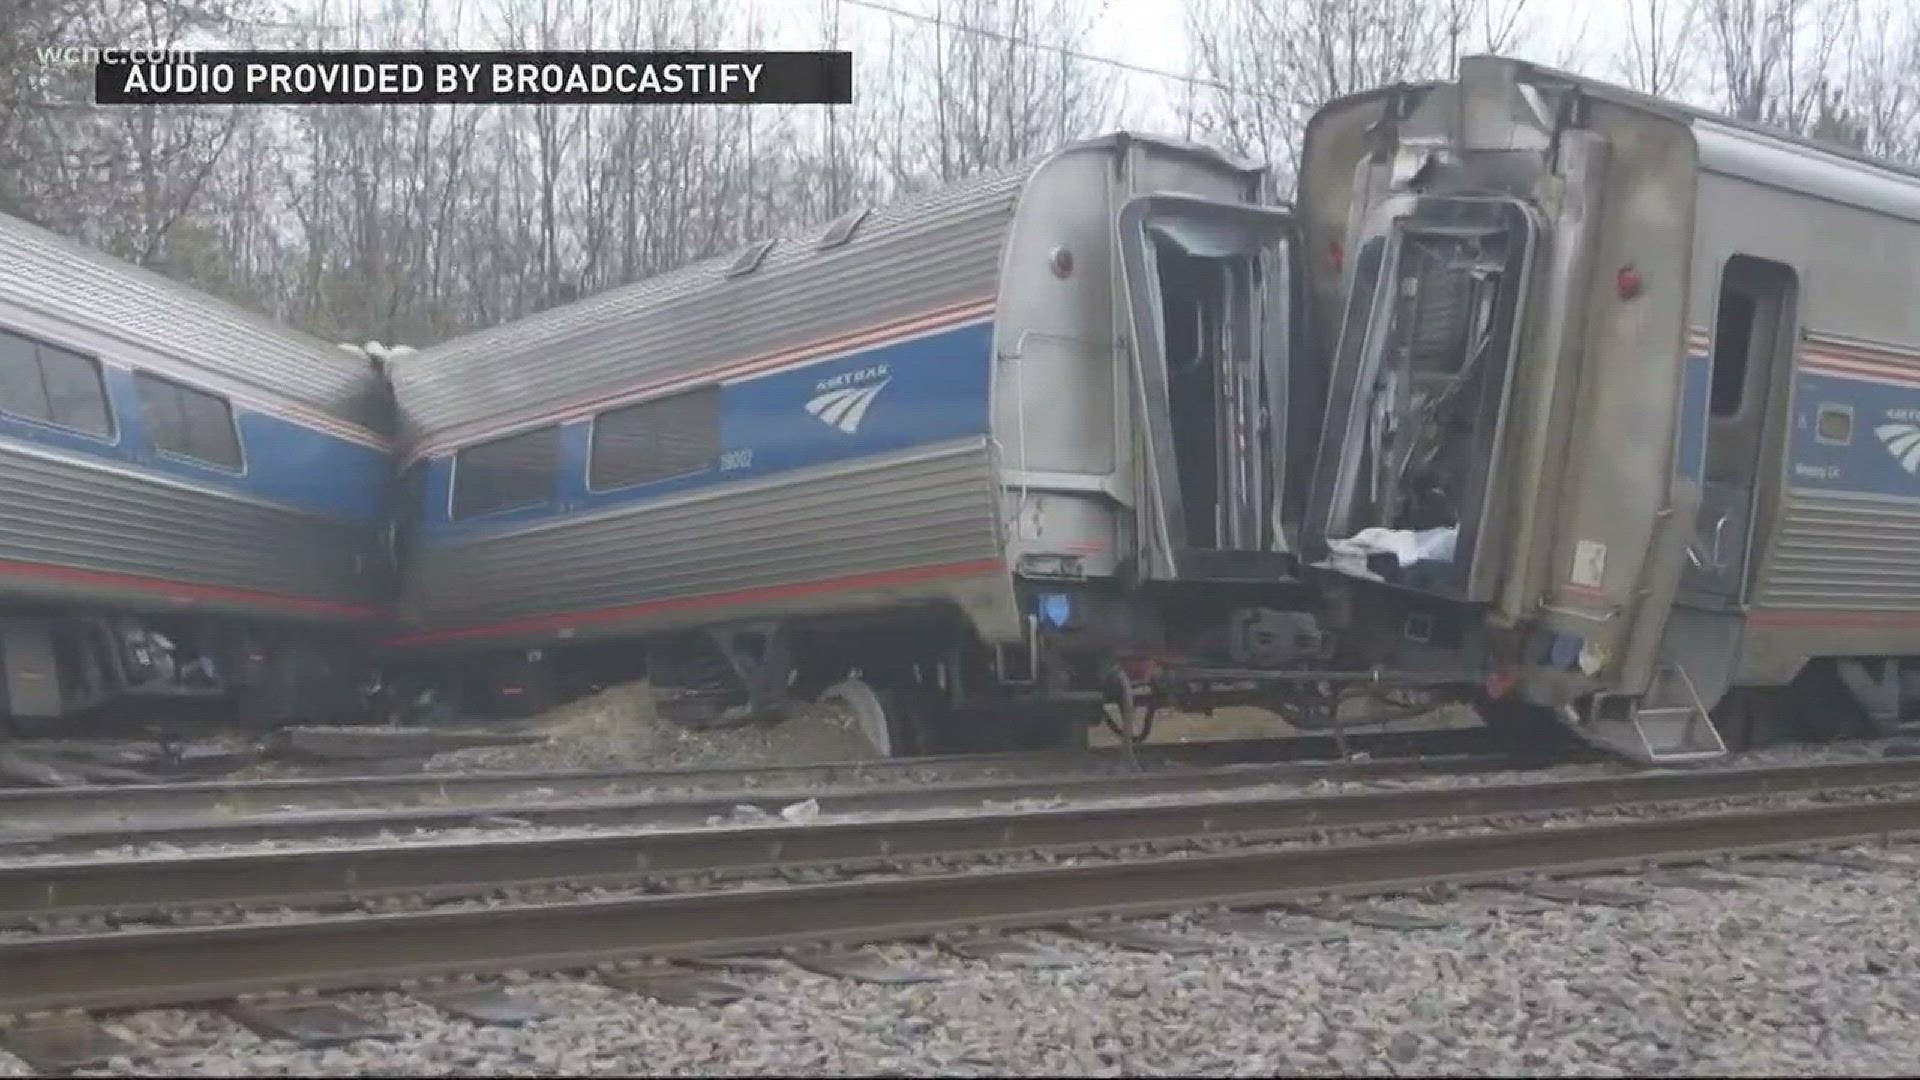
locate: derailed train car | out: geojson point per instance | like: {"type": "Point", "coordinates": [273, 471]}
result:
{"type": "Point", "coordinates": [947, 456]}
{"type": "Point", "coordinates": [192, 498]}
{"type": "Point", "coordinates": [1652, 376]}
{"type": "Point", "coordinates": [1590, 409]}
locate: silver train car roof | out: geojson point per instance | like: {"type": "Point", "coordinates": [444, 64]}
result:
{"type": "Point", "coordinates": [72, 283]}
{"type": "Point", "coordinates": [1554, 78]}
{"type": "Point", "coordinates": [449, 387]}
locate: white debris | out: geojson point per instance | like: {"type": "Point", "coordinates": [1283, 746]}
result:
{"type": "Point", "coordinates": [801, 812]}
{"type": "Point", "coordinates": [1407, 546]}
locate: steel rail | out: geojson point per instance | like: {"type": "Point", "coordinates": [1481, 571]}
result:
{"type": "Point", "coordinates": [182, 966]}
{"type": "Point", "coordinates": [334, 876]}
{"type": "Point", "coordinates": [695, 808]}
{"type": "Point", "coordinates": [119, 803]}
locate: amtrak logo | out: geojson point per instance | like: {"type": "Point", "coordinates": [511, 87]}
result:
{"type": "Point", "coordinates": [1903, 442]}
{"type": "Point", "coordinates": [843, 400]}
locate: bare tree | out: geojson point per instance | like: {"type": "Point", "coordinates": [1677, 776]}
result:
{"type": "Point", "coordinates": [1003, 84]}
{"type": "Point", "coordinates": [1771, 58]}
{"type": "Point", "coordinates": [1266, 66]}
{"type": "Point", "coordinates": [39, 101]}
{"type": "Point", "coordinates": [1881, 73]}
{"type": "Point", "coordinates": [1490, 26]}
{"type": "Point", "coordinates": [128, 179]}
{"type": "Point", "coordinates": [1660, 44]}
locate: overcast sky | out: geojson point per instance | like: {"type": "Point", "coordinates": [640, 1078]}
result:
{"type": "Point", "coordinates": [1587, 35]}
{"type": "Point", "coordinates": [1152, 33]}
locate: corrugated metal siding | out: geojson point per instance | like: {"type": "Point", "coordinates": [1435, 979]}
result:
{"type": "Point", "coordinates": [70, 281]}
{"type": "Point", "coordinates": [1843, 553]}
{"type": "Point", "coordinates": [925, 509]}
{"type": "Point", "coordinates": [72, 515]}
{"type": "Point", "coordinates": [906, 258]}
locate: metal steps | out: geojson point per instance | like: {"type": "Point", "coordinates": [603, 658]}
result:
{"type": "Point", "coordinates": [1669, 725]}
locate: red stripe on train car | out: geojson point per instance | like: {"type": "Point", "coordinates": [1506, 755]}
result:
{"type": "Point", "coordinates": [569, 620]}
{"type": "Point", "coordinates": [1855, 620]}
{"type": "Point", "coordinates": [183, 590]}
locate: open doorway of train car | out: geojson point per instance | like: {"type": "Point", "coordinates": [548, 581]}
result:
{"type": "Point", "coordinates": [1208, 287]}
{"type": "Point", "coordinates": [1753, 333]}
{"type": "Point", "coordinates": [1420, 386]}
{"type": "Point", "coordinates": [1212, 386]}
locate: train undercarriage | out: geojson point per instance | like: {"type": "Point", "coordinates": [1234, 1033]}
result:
{"type": "Point", "coordinates": [58, 666]}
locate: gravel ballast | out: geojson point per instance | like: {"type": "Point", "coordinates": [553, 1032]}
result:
{"type": "Point", "coordinates": [1816, 972]}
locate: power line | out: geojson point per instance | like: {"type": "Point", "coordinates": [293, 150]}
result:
{"type": "Point", "coordinates": [1040, 46]}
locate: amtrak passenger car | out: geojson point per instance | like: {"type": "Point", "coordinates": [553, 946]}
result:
{"type": "Point", "coordinates": [866, 455]}
{"type": "Point", "coordinates": [195, 497]}
{"type": "Point", "coordinates": [1657, 375]}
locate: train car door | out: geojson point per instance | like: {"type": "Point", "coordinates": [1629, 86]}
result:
{"type": "Point", "coordinates": [1209, 292]}
{"type": "Point", "coordinates": [1755, 325]}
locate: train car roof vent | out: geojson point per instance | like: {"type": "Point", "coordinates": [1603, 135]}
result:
{"type": "Point", "coordinates": [843, 228]}
{"type": "Point", "coordinates": [751, 258]}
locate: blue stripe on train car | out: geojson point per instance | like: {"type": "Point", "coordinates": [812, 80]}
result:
{"type": "Point", "coordinates": [1881, 455]}
{"type": "Point", "coordinates": [921, 391]}
{"type": "Point", "coordinates": [287, 463]}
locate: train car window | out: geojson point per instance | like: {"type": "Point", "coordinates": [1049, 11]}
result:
{"type": "Point", "coordinates": [513, 473]}
{"type": "Point", "coordinates": [22, 393]}
{"type": "Point", "coordinates": [655, 440]}
{"type": "Point", "coordinates": [1732, 338]}
{"type": "Point", "coordinates": [1746, 325]}
{"type": "Point", "coordinates": [50, 384]}
{"type": "Point", "coordinates": [189, 423]}
{"type": "Point", "coordinates": [76, 397]}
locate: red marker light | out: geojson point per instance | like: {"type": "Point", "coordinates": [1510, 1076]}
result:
{"type": "Point", "coordinates": [1062, 262]}
{"type": "Point", "coordinates": [1336, 254]}
{"type": "Point", "coordinates": [1629, 283]}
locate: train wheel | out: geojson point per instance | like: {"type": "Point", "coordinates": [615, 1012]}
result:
{"type": "Point", "coordinates": [894, 722]}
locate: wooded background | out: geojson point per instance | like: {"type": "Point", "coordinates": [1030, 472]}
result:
{"type": "Point", "coordinates": [410, 224]}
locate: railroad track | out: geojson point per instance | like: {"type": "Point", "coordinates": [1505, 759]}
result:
{"type": "Point", "coordinates": [696, 808]}
{"type": "Point", "coordinates": [1210, 806]}
{"type": "Point", "coordinates": [30, 811]}
{"type": "Point", "coordinates": [175, 965]}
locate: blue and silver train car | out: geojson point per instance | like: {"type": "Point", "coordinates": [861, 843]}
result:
{"type": "Point", "coordinates": [939, 454]}
{"type": "Point", "coordinates": [1655, 377]}
{"type": "Point", "coordinates": [194, 498]}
